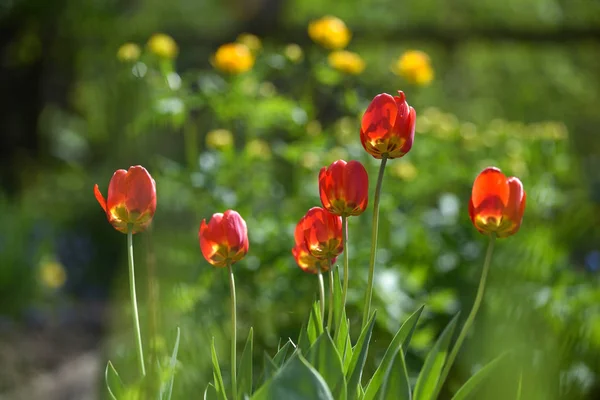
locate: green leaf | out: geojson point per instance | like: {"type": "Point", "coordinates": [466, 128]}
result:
{"type": "Point", "coordinates": [244, 377]}
{"type": "Point", "coordinates": [359, 356]}
{"type": "Point", "coordinates": [296, 380]}
{"type": "Point", "coordinates": [303, 342]}
{"type": "Point", "coordinates": [342, 333]}
{"type": "Point", "coordinates": [395, 382]}
{"type": "Point", "coordinates": [168, 388]}
{"type": "Point", "coordinates": [430, 374]}
{"type": "Point", "coordinates": [269, 368]}
{"type": "Point", "coordinates": [399, 342]}
{"type": "Point", "coordinates": [324, 357]}
{"type": "Point", "coordinates": [469, 388]}
{"type": "Point", "coordinates": [113, 382]}
{"type": "Point", "coordinates": [210, 393]}
{"type": "Point", "coordinates": [281, 355]}
{"type": "Point", "coordinates": [315, 323]}
{"type": "Point", "coordinates": [219, 387]}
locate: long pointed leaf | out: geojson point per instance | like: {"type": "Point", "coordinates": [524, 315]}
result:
{"type": "Point", "coordinates": [324, 357]}
{"type": "Point", "coordinates": [315, 323]}
{"type": "Point", "coordinates": [468, 390]}
{"type": "Point", "coordinates": [244, 377]}
{"type": "Point", "coordinates": [430, 374]}
{"type": "Point", "coordinates": [400, 341]}
{"type": "Point", "coordinates": [296, 380]}
{"type": "Point", "coordinates": [210, 393]}
{"type": "Point", "coordinates": [269, 368]}
{"type": "Point", "coordinates": [520, 386]}
{"type": "Point", "coordinates": [168, 388]}
{"type": "Point", "coordinates": [282, 354]}
{"type": "Point", "coordinates": [359, 357]}
{"type": "Point", "coordinates": [395, 382]}
{"type": "Point", "coordinates": [219, 387]}
{"type": "Point", "coordinates": [113, 382]}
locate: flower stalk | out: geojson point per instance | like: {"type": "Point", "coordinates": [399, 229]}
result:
{"type": "Point", "coordinates": [136, 318]}
{"type": "Point", "coordinates": [375, 229]}
{"type": "Point", "coordinates": [233, 333]}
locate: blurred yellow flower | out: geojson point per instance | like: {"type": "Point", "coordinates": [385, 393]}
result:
{"type": "Point", "coordinates": [405, 170]}
{"type": "Point", "coordinates": [293, 52]}
{"type": "Point", "coordinates": [233, 58]}
{"type": "Point", "coordinates": [52, 273]}
{"type": "Point", "coordinates": [251, 41]}
{"type": "Point", "coordinates": [330, 32]}
{"type": "Point", "coordinates": [219, 139]}
{"type": "Point", "coordinates": [163, 45]}
{"type": "Point", "coordinates": [415, 67]}
{"type": "Point", "coordinates": [346, 62]}
{"type": "Point", "coordinates": [258, 149]}
{"type": "Point", "coordinates": [129, 52]}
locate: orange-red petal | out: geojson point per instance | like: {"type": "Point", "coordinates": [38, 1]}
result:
{"type": "Point", "coordinates": [490, 183]}
{"type": "Point", "coordinates": [99, 197]}
{"type": "Point", "coordinates": [380, 117]}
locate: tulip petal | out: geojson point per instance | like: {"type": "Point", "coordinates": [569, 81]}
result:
{"type": "Point", "coordinates": [140, 191]}
{"type": "Point", "coordinates": [117, 190]}
{"type": "Point", "coordinates": [99, 197]}
{"type": "Point", "coordinates": [491, 184]}
{"type": "Point", "coordinates": [380, 117]}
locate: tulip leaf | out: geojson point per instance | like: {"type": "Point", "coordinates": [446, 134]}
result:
{"type": "Point", "coordinates": [167, 390]}
{"type": "Point", "coordinates": [315, 323]}
{"type": "Point", "coordinates": [303, 342]}
{"type": "Point", "coordinates": [325, 358]}
{"type": "Point", "coordinates": [430, 374]}
{"type": "Point", "coordinates": [219, 387]}
{"type": "Point", "coordinates": [244, 377]}
{"type": "Point", "coordinates": [113, 382]}
{"type": "Point", "coordinates": [281, 355]}
{"type": "Point", "coordinates": [359, 356]}
{"type": "Point", "coordinates": [399, 342]}
{"type": "Point", "coordinates": [468, 390]}
{"type": "Point", "coordinates": [296, 380]}
{"type": "Point", "coordinates": [520, 386]}
{"type": "Point", "coordinates": [342, 333]}
{"type": "Point", "coordinates": [210, 393]}
{"type": "Point", "coordinates": [395, 382]}
{"type": "Point", "coordinates": [269, 368]}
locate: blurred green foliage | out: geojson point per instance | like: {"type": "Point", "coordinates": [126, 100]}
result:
{"type": "Point", "coordinates": [502, 95]}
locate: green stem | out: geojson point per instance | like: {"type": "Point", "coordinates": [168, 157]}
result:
{"type": "Point", "coordinates": [375, 228]}
{"type": "Point", "coordinates": [233, 334]}
{"type": "Point", "coordinates": [321, 293]}
{"type": "Point", "coordinates": [331, 305]}
{"type": "Point", "coordinates": [346, 273]}
{"type": "Point", "coordinates": [136, 318]}
{"type": "Point", "coordinates": [470, 318]}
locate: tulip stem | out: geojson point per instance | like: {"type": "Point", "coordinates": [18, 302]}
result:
{"type": "Point", "coordinates": [375, 228]}
{"type": "Point", "coordinates": [233, 334]}
{"type": "Point", "coordinates": [346, 273]}
{"type": "Point", "coordinates": [331, 305]}
{"type": "Point", "coordinates": [321, 293]}
{"type": "Point", "coordinates": [471, 317]}
{"type": "Point", "coordinates": [136, 318]}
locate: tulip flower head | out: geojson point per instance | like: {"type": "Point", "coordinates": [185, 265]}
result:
{"type": "Point", "coordinates": [344, 188]}
{"type": "Point", "coordinates": [307, 262]}
{"type": "Point", "coordinates": [321, 232]}
{"type": "Point", "coordinates": [388, 126]}
{"type": "Point", "coordinates": [224, 240]}
{"type": "Point", "coordinates": [497, 203]}
{"type": "Point", "coordinates": [131, 200]}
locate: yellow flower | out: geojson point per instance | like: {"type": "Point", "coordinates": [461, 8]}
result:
{"type": "Point", "coordinates": [219, 139]}
{"type": "Point", "coordinates": [258, 149]}
{"type": "Point", "coordinates": [415, 67]}
{"type": "Point", "coordinates": [346, 62]}
{"type": "Point", "coordinates": [129, 52]}
{"type": "Point", "coordinates": [405, 170]}
{"type": "Point", "coordinates": [293, 52]}
{"type": "Point", "coordinates": [52, 273]}
{"type": "Point", "coordinates": [250, 40]}
{"type": "Point", "coordinates": [330, 32]}
{"type": "Point", "coordinates": [233, 58]}
{"type": "Point", "coordinates": [163, 45]}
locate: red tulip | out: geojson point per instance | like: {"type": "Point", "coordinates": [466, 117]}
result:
{"type": "Point", "coordinates": [321, 233]}
{"type": "Point", "coordinates": [388, 126]}
{"type": "Point", "coordinates": [307, 262]}
{"type": "Point", "coordinates": [131, 200]}
{"type": "Point", "coordinates": [497, 203]}
{"type": "Point", "coordinates": [344, 188]}
{"type": "Point", "coordinates": [224, 240]}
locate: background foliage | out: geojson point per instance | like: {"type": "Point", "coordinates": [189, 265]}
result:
{"type": "Point", "coordinates": [515, 86]}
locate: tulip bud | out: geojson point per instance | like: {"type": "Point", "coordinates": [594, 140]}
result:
{"type": "Point", "coordinates": [344, 188]}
